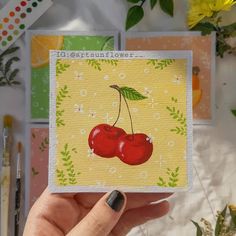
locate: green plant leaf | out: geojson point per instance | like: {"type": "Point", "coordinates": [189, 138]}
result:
{"type": "Point", "coordinates": [13, 74]}
{"type": "Point", "coordinates": [234, 112]}
{"type": "Point", "coordinates": [131, 93]}
{"type": "Point", "coordinates": [15, 82]}
{"type": "Point", "coordinates": [9, 63]}
{"type": "Point", "coordinates": [229, 29]}
{"type": "Point", "coordinates": [220, 221]}
{"type": "Point", "coordinates": [9, 51]}
{"type": "Point", "coordinates": [167, 6]}
{"type": "Point", "coordinates": [199, 230]}
{"type": "Point", "coordinates": [205, 28]}
{"type": "Point", "coordinates": [133, 1]}
{"type": "Point", "coordinates": [153, 3]}
{"type": "Point", "coordinates": [134, 15]}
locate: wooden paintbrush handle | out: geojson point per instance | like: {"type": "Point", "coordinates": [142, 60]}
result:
{"type": "Point", "coordinates": [5, 194]}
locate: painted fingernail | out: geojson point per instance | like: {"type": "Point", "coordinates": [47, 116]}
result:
{"type": "Point", "coordinates": [115, 200]}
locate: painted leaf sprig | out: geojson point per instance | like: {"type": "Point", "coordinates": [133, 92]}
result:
{"type": "Point", "coordinates": [62, 94]}
{"type": "Point", "coordinates": [160, 64]}
{"type": "Point", "coordinates": [112, 62]}
{"type": "Point", "coordinates": [61, 67]}
{"type": "Point", "coordinates": [34, 172]}
{"type": "Point", "coordinates": [67, 175]}
{"type": "Point", "coordinates": [94, 63]}
{"type": "Point", "coordinates": [172, 178]}
{"type": "Point", "coordinates": [97, 63]}
{"type": "Point", "coordinates": [131, 94]}
{"type": "Point", "coordinates": [136, 13]}
{"type": "Point", "coordinates": [177, 115]}
{"type": "Point", "coordinates": [44, 144]}
{"type": "Point", "coordinates": [61, 177]}
{"type": "Point", "coordinates": [7, 75]}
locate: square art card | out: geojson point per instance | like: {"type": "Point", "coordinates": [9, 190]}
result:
{"type": "Point", "coordinates": [124, 123]}
{"type": "Point", "coordinates": [37, 165]}
{"type": "Point", "coordinates": [203, 48]}
{"type": "Point", "coordinates": [39, 44]}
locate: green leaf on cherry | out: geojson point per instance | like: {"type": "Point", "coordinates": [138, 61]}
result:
{"type": "Point", "coordinates": [135, 14]}
{"type": "Point", "coordinates": [167, 6]}
{"type": "Point", "coordinates": [131, 93]}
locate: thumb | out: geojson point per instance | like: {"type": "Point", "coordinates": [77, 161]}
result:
{"type": "Point", "coordinates": [103, 217]}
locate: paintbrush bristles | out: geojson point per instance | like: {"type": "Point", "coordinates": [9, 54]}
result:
{"type": "Point", "coordinates": [19, 147]}
{"type": "Point", "coordinates": [7, 121]}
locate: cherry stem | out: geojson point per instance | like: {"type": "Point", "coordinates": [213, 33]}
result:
{"type": "Point", "coordinates": [131, 122]}
{"type": "Point", "coordinates": [118, 116]}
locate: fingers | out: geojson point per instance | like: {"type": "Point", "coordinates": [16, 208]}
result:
{"type": "Point", "coordinates": [49, 211]}
{"type": "Point", "coordinates": [134, 200]}
{"type": "Point", "coordinates": [139, 216]}
{"type": "Point", "coordinates": [102, 217]}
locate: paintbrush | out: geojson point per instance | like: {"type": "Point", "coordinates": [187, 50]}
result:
{"type": "Point", "coordinates": [5, 174]}
{"type": "Point", "coordinates": [18, 189]}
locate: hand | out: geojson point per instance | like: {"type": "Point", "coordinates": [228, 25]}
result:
{"type": "Point", "coordinates": [84, 214]}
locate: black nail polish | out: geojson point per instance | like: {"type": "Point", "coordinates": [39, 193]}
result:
{"type": "Point", "coordinates": [115, 200]}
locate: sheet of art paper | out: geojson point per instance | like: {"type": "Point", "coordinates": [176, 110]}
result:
{"type": "Point", "coordinates": [203, 48]}
{"type": "Point", "coordinates": [40, 42]}
{"type": "Point", "coordinates": [125, 122]}
{"type": "Point", "coordinates": [38, 162]}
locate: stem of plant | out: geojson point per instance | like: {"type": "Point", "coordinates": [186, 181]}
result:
{"type": "Point", "coordinates": [131, 122]}
{"type": "Point", "coordinates": [143, 1]}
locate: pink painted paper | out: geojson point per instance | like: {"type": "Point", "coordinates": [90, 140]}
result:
{"type": "Point", "coordinates": [202, 57]}
{"type": "Point", "coordinates": [39, 162]}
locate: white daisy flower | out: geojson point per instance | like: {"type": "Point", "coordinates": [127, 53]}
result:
{"type": "Point", "coordinates": [177, 79]}
{"type": "Point", "coordinates": [90, 152]}
{"type": "Point", "coordinates": [92, 113]}
{"type": "Point", "coordinates": [147, 92]}
{"type": "Point", "coordinates": [78, 75]}
{"type": "Point", "coordinates": [79, 108]}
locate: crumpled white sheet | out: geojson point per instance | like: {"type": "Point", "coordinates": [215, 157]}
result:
{"type": "Point", "coordinates": [214, 154]}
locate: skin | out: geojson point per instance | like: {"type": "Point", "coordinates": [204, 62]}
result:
{"type": "Point", "coordinates": [88, 214]}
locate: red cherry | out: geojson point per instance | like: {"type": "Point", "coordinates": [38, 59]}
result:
{"type": "Point", "coordinates": [134, 149]}
{"type": "Point", "coordinates": [103, 139]}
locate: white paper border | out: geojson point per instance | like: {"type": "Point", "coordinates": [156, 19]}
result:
{"type": "Point", "coordinates": [30, 33]}
{"type": "Point", "coordinates": [131, 34]}
{"type": "Point", "coordinates": [54, 55]}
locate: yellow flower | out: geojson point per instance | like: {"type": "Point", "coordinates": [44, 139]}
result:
{"type": "Point", "coordinates": [222, 5]}
{"type": "Point", "coordinates": [199, 9]}
{"type": "Point", "coordinates": [232, 208]}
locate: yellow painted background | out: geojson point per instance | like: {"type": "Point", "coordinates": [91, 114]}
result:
{"type": "Point", "coordinates": [89, 89]}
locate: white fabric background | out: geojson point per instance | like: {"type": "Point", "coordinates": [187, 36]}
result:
{"type": "Point", "coordinates": [214, 154]}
